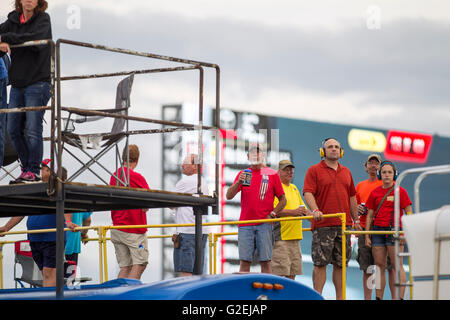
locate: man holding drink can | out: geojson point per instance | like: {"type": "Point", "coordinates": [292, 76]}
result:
{"type": "Point", "coordinates": [257, 203]}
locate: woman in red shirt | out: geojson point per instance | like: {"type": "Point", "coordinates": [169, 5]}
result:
{"type": "Point", "coordinates": [383, 220]}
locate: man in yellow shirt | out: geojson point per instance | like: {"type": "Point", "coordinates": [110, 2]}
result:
{"type": "Point", "coordinates": [287, 254]}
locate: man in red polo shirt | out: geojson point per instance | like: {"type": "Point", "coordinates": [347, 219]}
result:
{"type": "Point", "coordinates": [329, 188]}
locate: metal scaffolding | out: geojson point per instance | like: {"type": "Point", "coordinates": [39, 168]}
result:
{"type": "Point", "coordinates": [58, 196]}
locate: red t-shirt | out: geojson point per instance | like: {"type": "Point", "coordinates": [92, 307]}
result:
{"type": "Point", "coordinates": [257, 199]}
{"type": "Point", "coordinates": [363, 190]}
{"type": "Point", "coordinates": [385, 215]}
{"type": "Point", "coordinates": [131, 216]}
{"type": "Point", "coordinates": [323, 182]}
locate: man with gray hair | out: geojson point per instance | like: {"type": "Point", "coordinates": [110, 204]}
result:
{"type": "Point", "coordinates": [184, 239]}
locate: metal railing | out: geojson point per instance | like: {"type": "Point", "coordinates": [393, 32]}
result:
{"type": "Point", "coordinates": [425, 171]}
{"type": "Point", "coordinates": [213, 237]}
{"type": "Point", "coordinates": [101, 231]}
{"type": "Point", "coordinates": [55, 185]}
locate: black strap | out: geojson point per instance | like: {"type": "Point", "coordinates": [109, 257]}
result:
{"type": "Point", "coordinates": [381, 202]}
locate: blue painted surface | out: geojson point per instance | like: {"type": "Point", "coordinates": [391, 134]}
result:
{"type": "Point", "coordinates": [210, 287]}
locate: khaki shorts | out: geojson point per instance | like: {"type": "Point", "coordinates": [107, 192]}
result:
{"type": "Point", "coordinates": [287, 258]}
{"type": "Point", "coordinates": [131, 248]}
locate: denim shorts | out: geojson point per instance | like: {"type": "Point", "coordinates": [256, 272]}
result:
{"type": "Point", "coordinates": [382, 240]}
{"type": "Point", "coordinates": [255, 238]}
{"type": "Point", "coordinates": [184, 256]}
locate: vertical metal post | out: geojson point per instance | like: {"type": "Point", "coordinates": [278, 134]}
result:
{"type": "Point", "coordinates": [105, 253]}
{"type": "Point", "coordinates": [198, 211]}
{"type": "Point", "coordinates": [1, 265]}
{"type": "Point", "coordinates": [218, 148]}
{"type": "Point", "coordinates": [51, 183]}
{"type": "Point", "coordinates": [344, 256]}
{"type": "Point", "coordinates": [437, 262]}
{"type": "Point", "coordinates": [60, 246]}
{"type": "Point", "coordinates": [100, 252]}
{"type": "Point", "coordinates": [198, 266]}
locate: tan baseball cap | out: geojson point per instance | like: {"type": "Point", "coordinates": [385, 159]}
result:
{"type": "Point", "coordinates": [374, 155]}
{"type": "Point", "coordinates": [285, 163]}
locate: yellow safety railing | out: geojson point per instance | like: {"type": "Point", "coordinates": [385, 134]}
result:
{"type": "Point", "coordinates": [102, 239]}
{"type": "Point", "coordinates": [213, 237]}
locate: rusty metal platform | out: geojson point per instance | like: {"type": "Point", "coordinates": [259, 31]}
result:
{"type": "Point", "coordinates": [33, 199]}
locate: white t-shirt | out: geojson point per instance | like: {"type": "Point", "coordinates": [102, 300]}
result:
{"type": "Point", "coordinates": [188, 184]}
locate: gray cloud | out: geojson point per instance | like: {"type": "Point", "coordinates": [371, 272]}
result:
{"type": "Point", "coordinates": [405, 63]}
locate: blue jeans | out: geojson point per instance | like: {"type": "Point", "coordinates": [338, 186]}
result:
{"type": "Point", "coordinates": [29, 145]}
{"type": "Point", "coordinates": [3, 105]}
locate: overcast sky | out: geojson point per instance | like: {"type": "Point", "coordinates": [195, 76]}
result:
{"type": "Point", "coordinates": [382, 64]}
{"type": "Point", "coordinates": [372, 63]}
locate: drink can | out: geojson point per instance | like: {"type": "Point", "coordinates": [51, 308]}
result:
{"type": "Point", "coordinates": [248, 177]}
{"type": "Point", "coordinates": [365, 209]}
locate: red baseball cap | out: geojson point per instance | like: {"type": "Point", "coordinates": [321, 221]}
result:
{"type": "Point", "coordinates": [46, 162]}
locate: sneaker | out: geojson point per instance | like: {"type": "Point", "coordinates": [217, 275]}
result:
{"type": "Point", "coordinates": [31, 177]}
{"type": "Point", "coordinates": [19, 179]}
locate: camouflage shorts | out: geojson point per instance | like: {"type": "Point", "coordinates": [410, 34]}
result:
{"type": "Point", "coordinates": [326, 246]}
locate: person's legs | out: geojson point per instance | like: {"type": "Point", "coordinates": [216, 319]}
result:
{"type": "Point", "coordinates": [44, 254]}
{"type": "Point", "coordinates": [264, 245]}
{"type": "Point", "coordinates": [337, 281]}
{"type": "Point", "coordinates": [391, 254]}
{"type": "Point", "coordinates": [184, 256]}
{"type": "Point", "coordinates": [49, 276]}
{"type": "Point", "coordinates": [379, 256]}
{"type": "Point", "coordinates": [321, 254]}
{"type": "Point", "coordinates": [337, 261]}
{"type": "Point", "coordinates": [15, 126]}
{"type": "Point", "coordinates": [124, 272]}
{"type": "Point", "coordinates": [36, 95]}
{"type": "Point", "coordinates": [136, 271]}
{"type": "Point", "coordinates": [365, 259]}
{"type": "Point", "coordinates": [246, 246]}
{"type": "Point", "coordinates": [122, 253]}
{"type": "Point", "coordinates": [319, 278]}
{"type": "Point", "coordinates": [3, 105]}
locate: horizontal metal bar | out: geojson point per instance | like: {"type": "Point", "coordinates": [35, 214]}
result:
{"type": "Point", "coordinates": [25, 109]}
{"type": "Point", "coordinates": [125, 73]}
{"type": "Point", "coordinates": [404, 285]}
{"type": "Point", "coordinates": [136, 53]}
{"type": "Point", "coordinates": [442, 237]}
{"type": "Point", "coordinates": [114, 115]}
{"type": "Point", "coordinates": [32, 43]}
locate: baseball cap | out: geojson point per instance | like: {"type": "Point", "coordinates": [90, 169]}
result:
{"type": "Point", "coordinates": [374, 155]}
{"type": "Point", "coordinates": [285, 163]}
{"type": "Point", "coordinates": [46, 163]}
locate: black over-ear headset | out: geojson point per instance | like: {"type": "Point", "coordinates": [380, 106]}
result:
{"type": "Point", "coordinates": [322, 149]}
{"type": "Point", "coordinates": [382, 165]}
